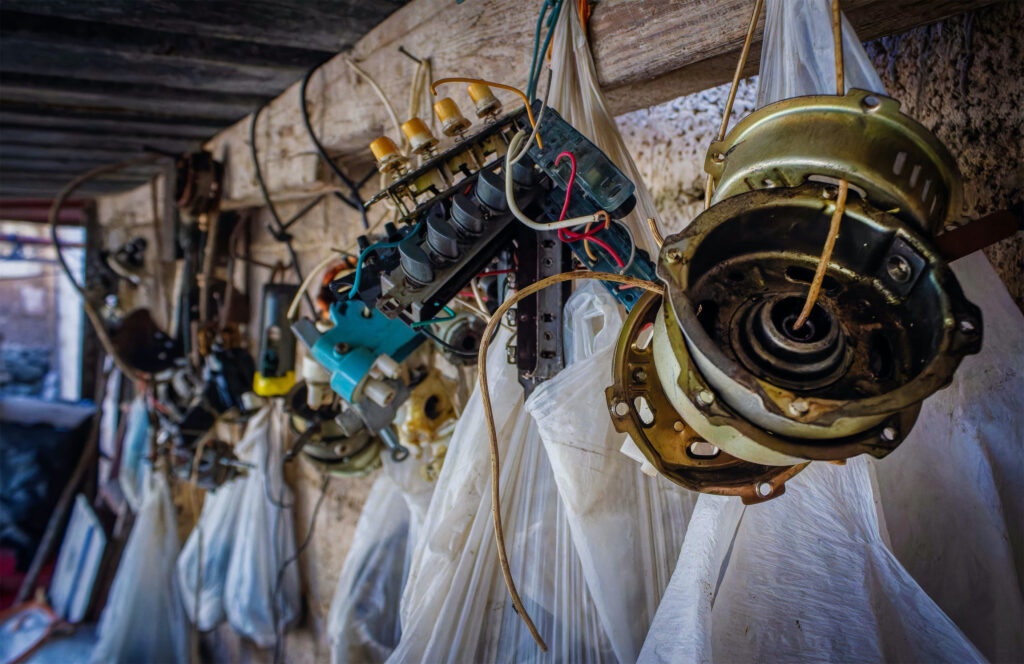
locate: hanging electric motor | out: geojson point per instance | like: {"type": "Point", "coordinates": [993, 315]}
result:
{"type": "Point", "coordinates": [734, 375]}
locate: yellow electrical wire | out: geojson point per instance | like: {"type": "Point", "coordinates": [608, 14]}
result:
{"type": "Point", "coordinates": [709, 184]}
{"type": "Point", "coordinates": [844, 186]}
{"type": "Point", "coordinates": [480, 81]}
{"type": "Point", "coordinates": [485, 342]}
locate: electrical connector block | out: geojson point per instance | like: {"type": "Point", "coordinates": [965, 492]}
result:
{"type": "Point", "coordinates": [361, 352]}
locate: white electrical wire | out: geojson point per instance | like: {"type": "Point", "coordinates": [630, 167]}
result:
{"type": "Point", "coordinates": [383, 97]}
{"type": "Point", "coordinates": [632, 248]}
{"type": "Point", "coordinates": [514, 208]}
{"type": "Point", "coordinates": [307, 282]}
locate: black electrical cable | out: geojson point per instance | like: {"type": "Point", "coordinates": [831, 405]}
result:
{"type": "Point", "coordinates": [303, 212]}
{"type": "Point", "coordinates": [447, 346]}
{"type": "Point", "coordinates": [356, 201]}
{"type": "Point", "coordinates": [278, 650]}
{"type": "Point", "coordinates": [280, 233]}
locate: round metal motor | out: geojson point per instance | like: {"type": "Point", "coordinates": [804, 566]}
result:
{"type": "Point", "coordinates": [639, 407]}
{"type": "Point", "coordinates": [891, 323]}
{"type": "Point", "coordinates": [330, 448]}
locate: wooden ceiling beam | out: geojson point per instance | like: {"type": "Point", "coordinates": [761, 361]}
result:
{"type": "Point", "coordinates": [327, 25]}
{"type": "Point", "coordinates": [646, 52]}
{"type": "Point", "coordinates": [158, 100]}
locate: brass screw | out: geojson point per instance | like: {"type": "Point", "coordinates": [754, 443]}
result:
{"type": "Point", "coordinates": [673, 255]}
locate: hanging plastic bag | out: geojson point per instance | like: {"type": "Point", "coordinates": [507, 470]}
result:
{"type": "Point", "coordinates": [797, 53]}
{"type": "Point", "coordinates": [261, 593]}
{"type": "Point", "coordinates": [143, 619]}
{"type": "Point", "coordinates": [626, 527]}
{"type": "Point", "coordinates": [363, 624]}
{"type": "Point", "coordinates": [938, 533]}
{"type": "Point", "coordinates": [135, 467]}
{"type": "Point", "coordinates": [804, 577]}
{"type": "Point", "coordinates": [578, 98]}
{"type": "Point", "coordinates": [953, 493]}
{"type": "Point", "coordinates": [455, 607]}
{"type": "Point", "coordinates": [203, 562]}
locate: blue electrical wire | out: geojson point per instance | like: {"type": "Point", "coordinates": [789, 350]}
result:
{"type": "Point", "coordinates": [377, 246]}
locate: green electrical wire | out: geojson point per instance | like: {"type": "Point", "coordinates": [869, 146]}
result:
{"type": "Point", "coordinates": [448, 310]}
{"type": "Point", "coordinates": [530, 88]}
{"type": "Point", "coordinates": [366, 252]}
{"type": "Point", "coordinates": [538, 64]}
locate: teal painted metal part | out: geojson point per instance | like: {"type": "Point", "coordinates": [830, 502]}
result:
{"type": "Point", "coordinates": [358, 337]}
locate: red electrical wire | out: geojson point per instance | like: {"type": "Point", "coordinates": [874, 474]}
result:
{"type": "Point", "coordinates": [565, 235]}
{"type": "Point", "coordinates": [570, 236]}
{"type": "Point", "coordinates": [572, 179]}
{"type": "Point", "coordinates": [491, 273]}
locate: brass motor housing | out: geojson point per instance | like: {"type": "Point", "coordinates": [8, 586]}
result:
{"type": "Point", "coordinates": [890, 326]}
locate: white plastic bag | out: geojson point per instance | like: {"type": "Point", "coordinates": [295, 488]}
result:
{"type": "Point", "coordinates": [143, 619]}
{"type": "Point", "coordinates": [591, 541]}
{"type": "Point", "coordinates": [203, 562]}
{"type": "Point", "coordinates": [578, 98]}
{"type": "Point", "coordinates": [953, 492]}
{"type": "Point", "coordinates": [455, 607]}
{"type": "Point", "coordinates": [135, 468]}
{"type": "Point", "coordinates": [626, 527]}
{"type": "Point", "coordinates": [804, 577]}
{"type": "Point", "coordinates": [798, 55]}
{"type": "Point", "coordinates": [264, 539]}
{"type": "Point", "coordinates": [363, 624]}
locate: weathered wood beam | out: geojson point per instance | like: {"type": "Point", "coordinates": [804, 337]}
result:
{"type": "Point", "coordinates": [15, 135]}
{"type": "Point", "coordinates": [58, 168]}
{"type": "Point", "coordinates": [48, 117]}
{"type": "Point", "coordinates": [107, 96]}
{"type": "Point", "coordinates": [41, 185]}
{"type": "Point", "coordinates": [95, 51]}
{"type": "Point", "coordinates": [326, 25]}
{"type": "Point", "coordinates": [647, 52]}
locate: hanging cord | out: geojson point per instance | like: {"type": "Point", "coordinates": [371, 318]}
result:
{"type": "Point", "coordinates": [94, 317]}
{"type": "Point", "coordinates": [278, 629]}
{"type": "Point", "coordinates": [653, 225]}
{"type": "Point", "coordinates": [537, 61]}
{"type": "Point", "coordinates": [280, 232]}
{"type": "Point", "coordinates": [709, 184]}
{"type": "Point", "coordinates": [485, 342]}
{"type": "Point", "coordinates": [333, 257]}
{"type": "Point", "coordinates": [844, 186]}
{"type": "Point", "coordinates": [837, 46]}
{"type": "Point", "coordinates": [354, 199]}
{"type": "Point", "coordinates": [383, 97]}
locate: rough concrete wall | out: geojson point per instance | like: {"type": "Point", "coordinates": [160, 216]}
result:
{"type": "Point", "coordinates": [961, 77]}
{"type": "Point", "coordinates": [964, 79]}
{"type": "Point", "coordinates": [124, 217]}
